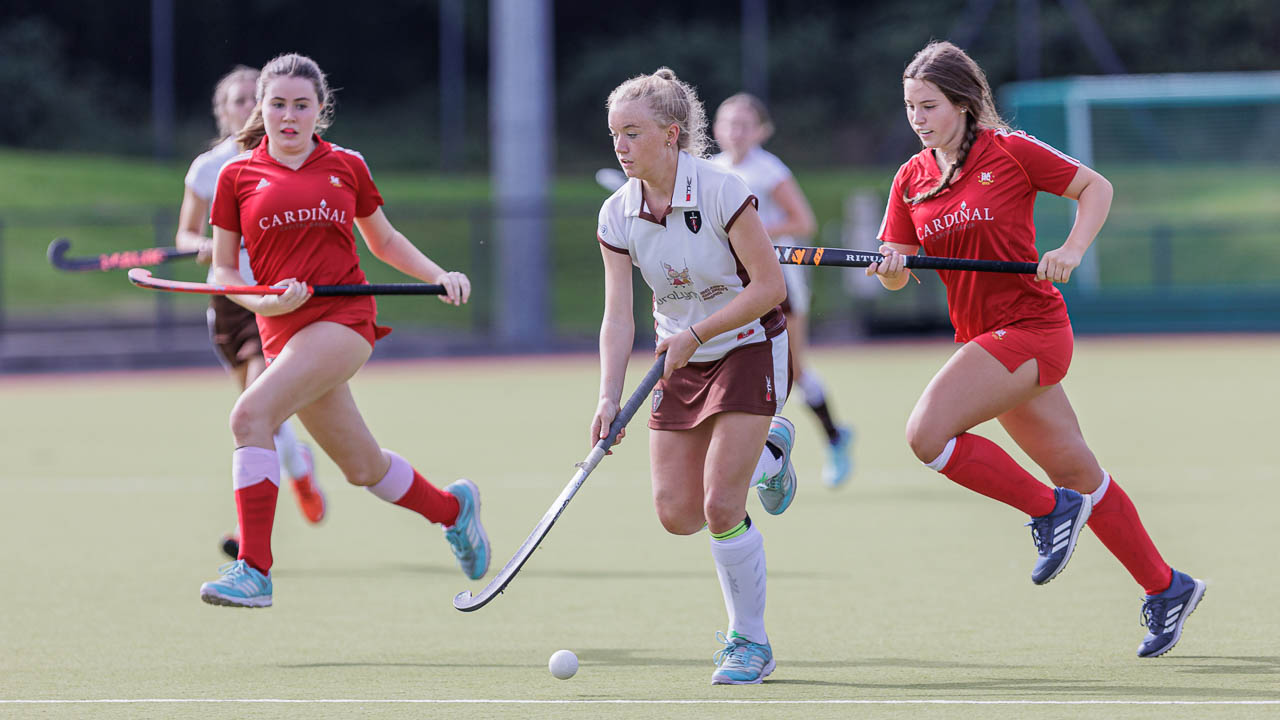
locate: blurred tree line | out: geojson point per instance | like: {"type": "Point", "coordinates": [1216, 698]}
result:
{"type": "Point", "coordinates": [76, 75]}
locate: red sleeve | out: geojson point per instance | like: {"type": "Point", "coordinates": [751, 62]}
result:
{"type": "Point", "coordinates": [225, 209]}
{"type": "Point", "coordinates": [1047, 168]}
{"type": "Point", "coordinates": [897, 226]}
{"type": "Point", "coordinates": [368, 198]}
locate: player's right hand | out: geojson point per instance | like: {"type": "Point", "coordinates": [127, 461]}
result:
{"type": "Point", "coordinates": [606, 411]}
{"type": "Point", "coordinates": [296, 293]}
{"type": "Point", "coordinates": [892, 267]}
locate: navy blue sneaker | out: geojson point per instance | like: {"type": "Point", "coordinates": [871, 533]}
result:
{"type": "Point", "coordinates": [1163, 614]}
{"type": "Point", "coordinates": [1055, 534]}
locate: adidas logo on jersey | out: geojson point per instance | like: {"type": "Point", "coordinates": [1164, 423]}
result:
{"type": "Point", "coordinates": [262, 183]}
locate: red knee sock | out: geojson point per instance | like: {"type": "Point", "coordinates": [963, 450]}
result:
{"type": "Point", "coordinates": [1116, 523]}
{"type": "Point", "coordinates": [980, 465]}
{"type": "Point", "coordinates": [255, 473]}
{"type": "Point", "coordinates": [430, 501]}
{"type": "Point", "coordinates": [405, 486]}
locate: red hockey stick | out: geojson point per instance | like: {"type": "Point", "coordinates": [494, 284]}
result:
{"type": "Point", "coordinates": [143, 279]}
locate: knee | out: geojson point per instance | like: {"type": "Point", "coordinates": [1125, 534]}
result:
{"type": "Point", "coordinates": [925, 443]}
{"type": "Point", "coordinates": [1084, 478]}
{"type": "Point", "coordinates": [249, 424]}
{"type": "Point", "coordinates": [722, 510]}
{"type": "Point", "coordinates": [675, 516]}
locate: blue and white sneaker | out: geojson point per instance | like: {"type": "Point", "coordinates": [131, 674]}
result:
{"type": "Point", "coordinates": [777, 492]}
{"type": "Point", "coordinates": [466, 535]}
{"type": "Point", "coordinates": [1055, 534]}
{"type": "Point", "coordinates": [241, 585]}
{"type": "Point", "coordinates": [741, 662]}
{"type": "Point", "coordinates": [839, 462]}
{"type": "Point", "coordinates": [1164, 614]}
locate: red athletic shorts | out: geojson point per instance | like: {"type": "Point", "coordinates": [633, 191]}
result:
{"type": "Point", "coordinates": [357, 313]}
{"type": "Point", "coordinates": [1049, 347]}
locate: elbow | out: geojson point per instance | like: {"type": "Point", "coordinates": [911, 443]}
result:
{"type": "Point", "coordinates": [778, 290]}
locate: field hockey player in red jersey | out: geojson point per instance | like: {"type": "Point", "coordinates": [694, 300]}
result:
{"type": "Point", "coordinates": [232, 328]}
{"type": "Point", "coordinates": [741, 126]}
{"type": "Point", "coordinates": [692, 229]}
{"type": "Point", "coordinates": [295, 197]}
{"type": "Point", "coordinates": [970, 193]}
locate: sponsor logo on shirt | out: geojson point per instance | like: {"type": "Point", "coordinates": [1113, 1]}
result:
{"type": "Point", "coordinates": [693, 221]}
{"type": "Point", "coordinates": [677, 277]}
{"type": "Point", "coordinates": [688, 190]}
{"type": "Point", "coordinates": [334, 181]}
{"type": "Point", "coordinates": [962, 219]}
{"type": "Point", "coordinates": [604, 230]}
{"type": "Point", "coordinates": [987, 177]}
{"type": "Point", "coordinates": [303, 215]}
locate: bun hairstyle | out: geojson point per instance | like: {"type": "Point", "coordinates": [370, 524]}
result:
{"type": "Point", "coordinates": [288, 65]}
{"type": "Point", "coordinates": [965, 86]}
{"type": "Point", "coordinates": [671, 102]}
{"type": "Point", "coordinates": [238, 74]}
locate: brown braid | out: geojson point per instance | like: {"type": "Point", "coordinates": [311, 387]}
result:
{"type": "Point", "coordinates": [970, 135]}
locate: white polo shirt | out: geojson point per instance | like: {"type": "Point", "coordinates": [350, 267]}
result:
{"type": "Point", "coordinates": [763, 172]}
{"type": "Point", "coordinates": [202, 179]}
{"type": "Point", "coordinates": [686, 257]}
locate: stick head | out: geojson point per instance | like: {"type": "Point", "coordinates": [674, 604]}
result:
{"type": "Point", "coordinates": [57, 249]}
{"type": "Point", "coordinates": [465, 602]}
{"type": "Point", "coordinates": [140, 277]}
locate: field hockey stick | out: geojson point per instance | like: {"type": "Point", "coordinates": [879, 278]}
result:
{"type": "Point", "coordinates": [467, 602]}
{"type": "Point", "coordinates": [839, 257]}
{"type": "Point", "coordinates": [112, 261]}
{"type": "Point", "coordinates": [143, 279]}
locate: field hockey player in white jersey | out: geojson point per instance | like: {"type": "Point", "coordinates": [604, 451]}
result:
{"type": "Point", "coordinates": [692, 229]}
{"type": "Point", "coordinates": [741, 127]}
{"type": "Point", "coordinates": [233, 329]}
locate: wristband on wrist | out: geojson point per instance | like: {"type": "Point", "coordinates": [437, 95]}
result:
{"type": "Point", "coordinates": [695, 335]}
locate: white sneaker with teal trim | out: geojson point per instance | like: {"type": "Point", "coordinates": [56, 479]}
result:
{"type": "Point", "coordinates": [777, 492]}
{"type": "Point", "coordinates": [466, 536]}
{"type": "Point", "coordinates": [741, 662]}
{"type": "Point", "coordinates": [240, 586]}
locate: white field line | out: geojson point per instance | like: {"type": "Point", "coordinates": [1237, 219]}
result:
{"type": "Point", "coordinates": [479, 701]}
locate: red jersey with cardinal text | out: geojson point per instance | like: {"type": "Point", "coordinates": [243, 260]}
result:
{"type": "Point", "coordinates": [985, 214]}
{"type": "Point", "coordinates": [299, 224]}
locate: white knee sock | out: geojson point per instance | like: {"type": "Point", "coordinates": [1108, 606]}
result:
{"type": "Point", "coordinates": [814, 392]}
{"type": "Point", "coordinates": [291, 459]}
{"type": "Point", "coordinates": [766, 467]}
{"type": "Point", "coordinates": [741, 567]}
{"type": "Point", "coordinates": [1102, 489]}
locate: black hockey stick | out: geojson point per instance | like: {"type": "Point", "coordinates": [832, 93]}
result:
{"type": "Point", "coordinates": [839, 257]}
{"type": "Point", "coordinates": [112, 261]}
{"type": "Point", "coordinates": [467, 602]}
{"type": "Point", "coordinates": [143, 279]}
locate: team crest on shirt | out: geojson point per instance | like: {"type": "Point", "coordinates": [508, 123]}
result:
{"type": "Point", "coordinates": [999, 334]}
{"type": "Point", "coordinates": [987, 177]}
{"type": "Point", "coordinates": [657, 399]}
{"type": "Point", "coordinates": [334, 181]}
{"type": "Point", "coordinates": [693, 220]}
{"type": "Point", "coordinates": [677, 277]}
